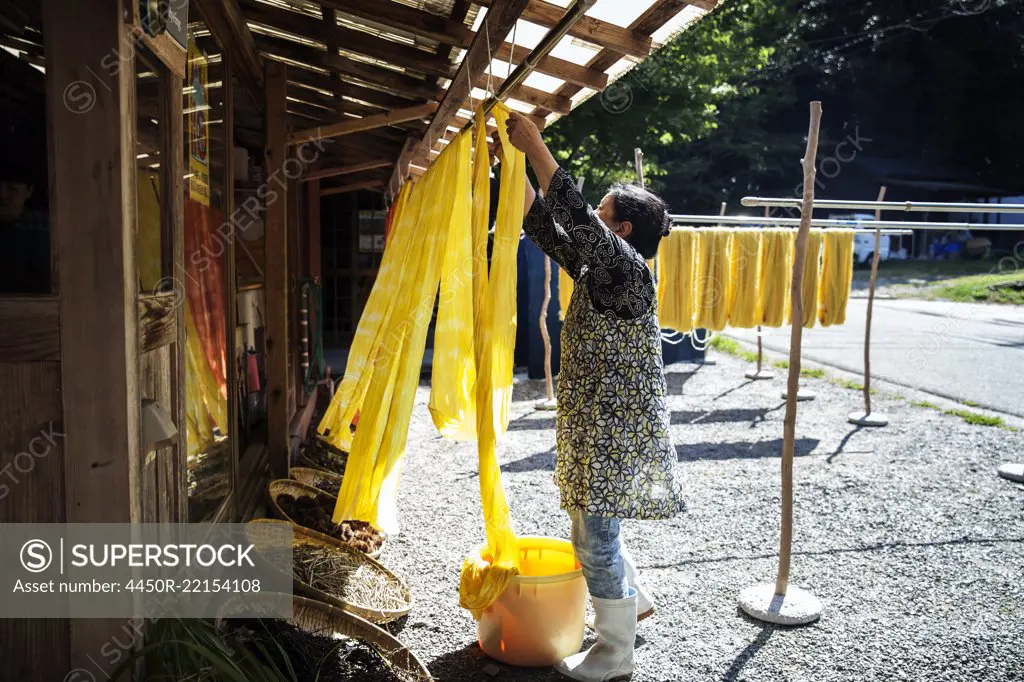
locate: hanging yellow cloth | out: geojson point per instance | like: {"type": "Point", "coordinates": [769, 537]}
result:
{"type": "Point", "coordinates": [148, 209]}
{"type": "Point", "coordinates": [745, 270]}
{"type": "Point", "coordinates": [809, 287]}
{"type": "Point", "coordinates": [487, 572]}
{"type": "Point", "coordinates": [565, 285]}
{"type": "Point", "coordinates": [370, 487]}
{"type": "Point", "coordinates": [205, 408]}
{"type": "Point", "coordinates": [776, 275]}
{"type": "Point", "coordinates": [393, 275]}
{"type": "Point", "coordinates": [676, 288]}
{"type": "Point", "coordinates": [712, 306]}
{"type": "Point", "coordinates": [836, 277]}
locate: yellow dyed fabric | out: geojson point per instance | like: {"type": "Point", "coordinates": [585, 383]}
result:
{"type": "Point", "coordinates": [565, 285]}
{"type": "Point", "coordinates": [776, 275]}
{"type": "Point", "coordinates": [369, 337]}
{"type": "Point", "coordinates": [148, 208]}
{"type": "Point", "coordinates": [676, 291]}
{"type": "Point", "coordinates": [369, 489]}
{"type": "Point", "coordinates": [712, 305]}
{"type": "Point", "coordinates": [204, 406]}
{"type": "Point", "coordinates": [487, 572]}
{"type": "Point", "coordinates": [836, 277]}
{"type": "Point", "coordinates": [745, 272]}
{"type": "Point", "coordinates": [809, 287]}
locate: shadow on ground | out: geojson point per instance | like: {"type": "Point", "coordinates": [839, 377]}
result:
{"type": "Point", "coordinates": [693, 452]}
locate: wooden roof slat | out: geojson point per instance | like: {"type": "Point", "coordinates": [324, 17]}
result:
{"type": "Point", "coordinates": [323, 173]}
{"type": "Point", "coordinates": [226, 23]}
{"type": "Point", "coordinates": [409, 19]}
{"type": "Point", "coordinates": [558, 68]}
{"type": "Point", "coordinates": [357, 125]}
{"type": "Point", "coordinates": [349, 39]}
{"type": "Point", "coordinates": [353, 187]}
{"type": "Point", "coordinates": [606, 35]}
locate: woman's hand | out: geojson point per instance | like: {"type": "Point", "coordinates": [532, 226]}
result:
{"type": "Point", "coordinates": [523, 133]}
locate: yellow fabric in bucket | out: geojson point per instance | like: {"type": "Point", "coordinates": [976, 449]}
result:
{"type": "Point", "coordinates": [369, 489]}
{"type": "Point", "coordinates": [565, 286]}
{"type": "Point", "coordinates": [745, 271]}
{"type": "Point", "coordinates": [776, 275]}
{"type": "Point", "coordinates": [366, 344]}
{"type": "Point", "coordinates": [487, 572]}
{"type": "Point", "coordinates": [836, 277]}
{"type": "Point", "coordinates": [675, 280]}
{"type": "Point", "coordinates": [712, 306]}
{"type": "Point", "coordinates": [809, 288]}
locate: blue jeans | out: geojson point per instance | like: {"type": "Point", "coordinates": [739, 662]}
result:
{"type": "Point", "coordinates": [598, 547]}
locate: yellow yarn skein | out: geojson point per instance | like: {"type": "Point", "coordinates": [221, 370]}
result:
{"type": "Point", "coordinates": [744, 304]}
{"type": "Point", "coordinates": [836, 277]}
{"type": "Point", "coordinates": [712, 279]}
{"type": "Point", "coordinates": [675, 280]}
{"type": "Point", "coordinates": [565, 286]}
{"type": "Point", "coordinates": [809, 289]}
{"type": "Point", "coordinates": [776, 275]}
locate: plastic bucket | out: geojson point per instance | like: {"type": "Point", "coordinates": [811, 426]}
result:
{"type": "Point", "coordinates": [539, 619]}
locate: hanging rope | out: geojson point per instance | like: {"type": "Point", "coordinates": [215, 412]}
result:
{"type": "Point", "coordinates": [315, 304]}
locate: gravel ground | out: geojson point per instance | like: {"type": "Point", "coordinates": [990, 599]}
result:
{"type": "Point", "coordinates": [906, 534]}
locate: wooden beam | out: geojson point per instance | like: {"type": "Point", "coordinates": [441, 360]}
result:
{"type": "Point", "coordinates": [351, 40]}
{"type": "Point", "coordinates": [276, 249]}
{"type": "Point", "coordinates": [226, 23]}
{"type": "Point", "coordinates": [601, 33]}
{"type": "Point", "coordinates": [317, 175]}
{"type": "Point", "coordinates": [359, 125]}
{"type": "Point", "coordinates": [352, 187]}
{"type": "Point", "coordinates": [525, 93]}
{"type": "Point", "coordinates": [157, 320]}
{"type": "Point", "coordinates": [498, 22]}
{"type": "Point", "coordinates": [313, 225]}
{"type": "Point", "coordinates": [231, 282]}
{"type": "Point", "coordinates": [29, 328]}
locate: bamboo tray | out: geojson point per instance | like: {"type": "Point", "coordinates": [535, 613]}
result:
{"type": "Point", "coordinates": [324, 619]}
{"type": "Point", "coordinates": [296, 489]}
{"type": "Point", "coordinates": [304, 536]}
{"type": "Point", "coordinates": [311, 476]}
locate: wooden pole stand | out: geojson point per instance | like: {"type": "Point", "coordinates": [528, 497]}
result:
{"type": "Point", "coordinates": [760, 374]}
{"type": "Point", "coordinates": [549, 403]}
{"type": "Point", "coordinates": [867, 417]}
{"type": "Point", "coordinates": [782, 603]}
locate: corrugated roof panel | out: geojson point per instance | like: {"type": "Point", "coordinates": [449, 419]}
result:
{"type": "Point", "coordinates": [618, 12]}
{"type": "Point", "coordinates": [677, 24]}
{"type": "Point", "coordinates": [544, 82]}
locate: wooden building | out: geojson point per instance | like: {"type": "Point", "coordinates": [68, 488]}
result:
{"type": "Point", "coordinates": [164, 203]}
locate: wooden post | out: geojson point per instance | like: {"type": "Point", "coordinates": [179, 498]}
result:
{"type": "Point", "coordinates": [783, 603]}
{"type": "Point", "coordinates": [866, 418]}
{"type": "Point", "coordinates": [313, 216]}
{"type": "Point", "coordinates": [549, 385]}
{"type": "Point", "coordinates": [276, 236]}
{"type": "Point", "coordinates": [760, 373]}
{"type": "Point", "coordinates": [231, 284]}
{"type": "Point", "coordinates": [91, 114]}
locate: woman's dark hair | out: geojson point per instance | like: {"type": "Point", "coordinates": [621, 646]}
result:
{"type": "Point", "coordinates": [648, 214]}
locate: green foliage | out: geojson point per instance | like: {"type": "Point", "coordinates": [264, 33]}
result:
{"type": "Point", "coordinates": [976, 419]}
{"type": "Point", "coordinates": [812, 372]}
{"type": "Point", "coordinates": [731, 347]}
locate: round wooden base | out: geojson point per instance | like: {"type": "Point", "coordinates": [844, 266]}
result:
{"type": "Point", "coordinates": [861, 418]}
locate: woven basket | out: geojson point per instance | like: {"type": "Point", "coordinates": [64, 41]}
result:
{"type": "Point", "coordinates": [303, 536]}
{"type": "Point", "coordinates": [320, 441]}
{"type": "Point", "coordinates": [311, 476]}
{"type": "Point", "coordinates": [286, 486]}
{"type": "Point", "coordinates": [323, 619]}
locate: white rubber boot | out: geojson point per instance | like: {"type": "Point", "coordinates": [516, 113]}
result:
{"type": "Point", "coordinates": [644, 601]}
{"type": "Point", "coordinates": [611, 658]}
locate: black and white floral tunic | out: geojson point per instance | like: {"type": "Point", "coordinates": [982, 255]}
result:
{"type": "Point", "coordinates": [615, 455]}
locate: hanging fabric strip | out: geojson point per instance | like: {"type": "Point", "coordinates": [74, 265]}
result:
{"type": "Point", "coordinates": [565, 286]}
{"type": "Point", "coordinates": [712, 307]}
{"type": "Point", "coordinates": [675, 280]}
{"type": "Point", "coordinates": [809, 288]}
{"type": "Point", "coordinates": [745, 273]}
{"type": "Point", "coordinates": [836, 277]}
{"type": "Point", "coordinates": [487, 572]}
{"type": "Point", "coordinates": [776, 275]}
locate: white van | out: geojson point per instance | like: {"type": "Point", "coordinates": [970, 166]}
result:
{"type": "Point", "coordinates": [864, 240]}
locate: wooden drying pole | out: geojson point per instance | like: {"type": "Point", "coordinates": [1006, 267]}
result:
{"type": "Point", "coordinates": [783, 603]}
{"type": "Point", "coordinates": [867, 418]}
{"type": "Point", "coordinates": [549, 385]}
{"type": "Point", "coordinates": [761, 374]}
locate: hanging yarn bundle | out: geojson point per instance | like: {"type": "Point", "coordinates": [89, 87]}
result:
{"type": "Point", "coordinates": [745, 304]}
{"type": "Point", "coordinates": [776, 275]}
{"type": "Point", "coordinates": [565, 286]}
{"type": "Point", "coordinates": [836, 277]}
{"type": "Point", "coordinates": [809, 288]}
{"type": "Point", "coordinates": [675, 280]}
{"type": "Point", "coordinates": [712, 305]}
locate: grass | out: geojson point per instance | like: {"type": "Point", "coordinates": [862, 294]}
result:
{"type": "Point", "coordinates": [966, 415]}
{"type": "Point", "coordinates": [813, 373]}
{"type": "Point", "coordinates": [781, 364]}
{"type": "Point", "coordinates": [990, 288]}
{"type": "Point", "coordinates": [925, 404]}
{"type": "Point", "coordinates": [852, 385]}
{"type": "Point", "coordinates": [928, 269]}
{"type": "Point", "coordinates": [729, 346]}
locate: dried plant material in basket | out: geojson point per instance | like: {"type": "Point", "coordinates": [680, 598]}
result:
{"type": "Point", "coordinates": [333, 572]}
{"type": "Point", "coordinates": [317, 453]}
{"type": "Point", "coordinates": [366, 652]}
{"type": "Point", "coordinates": [312, 509]}
{"type": "Point", "coordinates": [317, 478]}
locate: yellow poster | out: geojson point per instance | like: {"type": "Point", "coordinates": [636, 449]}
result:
{"type": "Point", "coordinates": [198, 113]}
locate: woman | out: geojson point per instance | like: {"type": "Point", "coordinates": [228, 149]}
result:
{"type": "Point", "coordinates": [615, 456]}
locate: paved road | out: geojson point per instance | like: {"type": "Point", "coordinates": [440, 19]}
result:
{"type": "Point", "coordinates": [961, 351]}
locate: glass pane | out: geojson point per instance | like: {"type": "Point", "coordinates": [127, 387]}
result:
{"type": "Point", "coordinates": [209, 463]}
